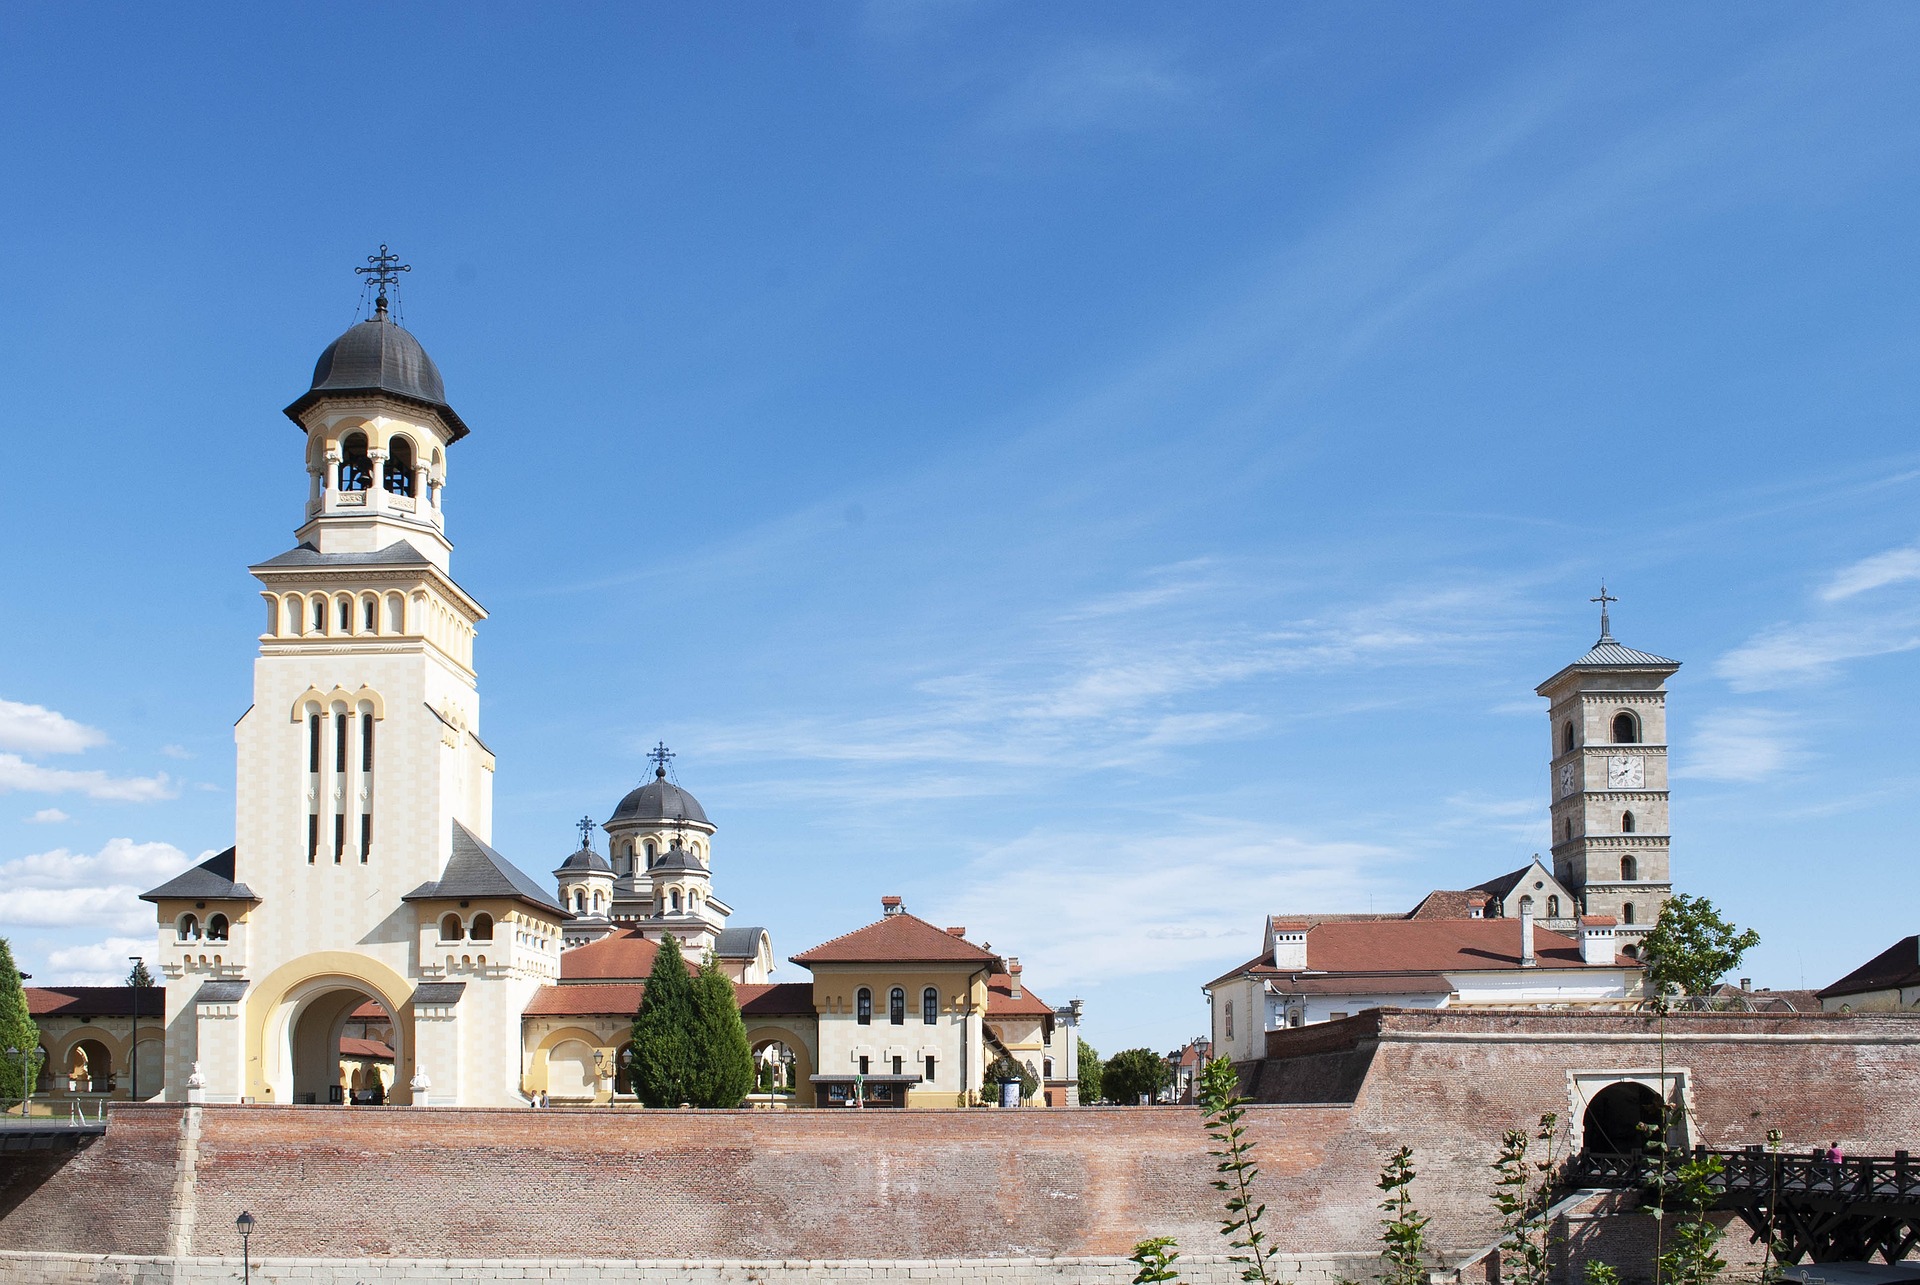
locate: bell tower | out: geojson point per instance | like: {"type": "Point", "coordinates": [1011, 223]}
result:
{"type": "Point", "coordinates": [1607, 777]}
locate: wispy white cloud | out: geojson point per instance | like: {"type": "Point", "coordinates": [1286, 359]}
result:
{"type": "Point", "coordinates": [101, 963]}
{"type": "Point", "coordinates": [1742, 745]}
{"type": "Point", "coordinates": [48, 816]}
{"type": "Point", "coordinates": [1086, 907]}
{"type": "Point", "coordinates": [1524, 820]}
{"type": "Point", "coordinates": [1895, 566]}
{"type": "Point", "coordinates": [1093, 86]}
{"type": "Point", "coordinates": [17, 774]}
{"type": "Point", "coordinates": [176, 751]}
{"type": "Point", "coordinates": [63, 888]}
{"type": "Point", "coordinates": [1795, 654]}
{"type": "Point", "coordinates": [36, 729]}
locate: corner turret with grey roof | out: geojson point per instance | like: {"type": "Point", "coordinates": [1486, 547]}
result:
{"type": "Point", "coordinates": [475, 870]}
{"type": "Point", "coordinates": [211, 880]}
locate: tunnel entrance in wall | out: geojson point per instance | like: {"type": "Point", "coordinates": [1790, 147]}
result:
{"type": "Point", "coordinates": [1621, 1120]}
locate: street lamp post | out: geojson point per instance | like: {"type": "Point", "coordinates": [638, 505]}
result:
{"type": "Point", "coordinates": [244, 1225]}
{"type": "Point", "coordinates": [133, 1042]}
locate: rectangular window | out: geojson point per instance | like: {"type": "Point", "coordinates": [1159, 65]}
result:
{"type": "Point", "coordinates": [313, 743]}
{"type": "Point", "coordinates": [929, 1068]}
{"type": "Point", "coordinates": [1229, 1019]}
{"type": "Point", "coordinates": [863, 1064]}
{"type": "Point", "coordinates": [896, 1064]}
{"type": "Point", "coordinates": [313, 836]}
{"type": "Point", "coordinates": [1335, 1017]}
{"type": "Point", "coordinates": [339, 836]}
{"type": "Point", "coordinates": [366, 743]}
{"type": "Point", "coordinates": [340, 742]}
{"type": "Point", "coordinates": [366, 836]}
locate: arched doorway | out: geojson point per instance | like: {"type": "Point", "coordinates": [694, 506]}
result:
{"type": "Point", "coordinates": [1621, 1120]}
{"type": "Point", "coordinates": [316, 1021]}
{"type": "Point", "coordinates": [570, 1072]}
{"type": "Point", "coordinates": [89, 1068]}
{"type": "Point", "coordinates": [775, 1063]}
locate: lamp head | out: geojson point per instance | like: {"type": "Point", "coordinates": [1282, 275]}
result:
{"type": "Point", "coordinates": [244, 1224]}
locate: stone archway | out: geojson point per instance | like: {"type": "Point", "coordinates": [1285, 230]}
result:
{"type": "Point", "coordinates": [1621, 1120]}
{"type": "Point", "coordinates": [762, 1036]}
{"type": "Point", "coordinates": [314, 1027]}
{"type": "Point", "coordinates": [301, 1010]}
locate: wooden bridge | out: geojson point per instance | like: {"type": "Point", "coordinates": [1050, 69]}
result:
{"type": "Point", "coordinates": [1814, 1209]}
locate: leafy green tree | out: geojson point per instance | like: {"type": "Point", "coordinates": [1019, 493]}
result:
{"type": "Point", "coordinates": [1007, 1067]}
{"type": "Point", "coordinates": [17, 1030]}
{"type": "Point", "coordinates": [1132, 1072]}
{"type": "Point", "coordinates": [1225, 1111]}
{"type": "Point", "coordinates": [1692, 947]}
{"type": "Point", "coordinates": [1403, 1232]}
{"type": "Point", "coordinates": [666, 1070]}
{"type": "Point", "coordinates": [1693, 1258]}
{"type": "Point", "coordinates": [138, 975]}
{"type": "Point", "coordinates": [1155, 1258]}
{"type": "Point", "coordinates": [1090, 1071]}
{"type": "Point", "coordinates": [721, 1053]}
{"type": "Point", "coordinates": [1523, 1192]}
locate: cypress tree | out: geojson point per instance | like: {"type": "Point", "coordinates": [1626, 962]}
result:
{"type": "Point", "coordinates": [665, 1068]}
{"type": "Point", "coordinates": [17, 1030]}
{"type": "Point", "coordinates": [138, 974]}
{"type": "Point", "coordinates": [720, 1040]}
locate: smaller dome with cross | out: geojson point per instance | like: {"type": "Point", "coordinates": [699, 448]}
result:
{"type": "Point", "coordinates": [585, 861]}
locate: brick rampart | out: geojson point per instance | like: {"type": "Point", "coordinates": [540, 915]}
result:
{"type": "Point", "coordinates": [1065, 1193]}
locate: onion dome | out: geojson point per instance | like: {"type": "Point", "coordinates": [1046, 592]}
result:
{"type": "Point", "coordinates": [379, 355]}
{"type": "Point", "coordinates": [659, 800]}
{"type": "Point", "coordinates": [586, 861]}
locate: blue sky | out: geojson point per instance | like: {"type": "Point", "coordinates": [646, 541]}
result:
{"type": "Point", "coordinates": [1103, 473]}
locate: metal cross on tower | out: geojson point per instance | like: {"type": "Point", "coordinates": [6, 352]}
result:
{"type": "Point", "coordinates": [661, 756]}
{"type": "Point", "coordinates": [1606, 629]}
{"type": "Point", "coordinates": [586, 826]}
{"type": "Point", "coordinates": [383, 270]}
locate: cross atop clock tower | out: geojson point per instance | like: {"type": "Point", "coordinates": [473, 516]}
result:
{"type": "Point", "coordinates": [1608, 781]}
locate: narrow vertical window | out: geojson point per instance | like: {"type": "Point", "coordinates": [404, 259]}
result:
{"type": "Point", "coordinates": [930, 1006]}
{"type": "Point", "coordinates": [863, 1006]}
{"type": "Point", "coordinates": [339, 836]}
{"type": "Point", "coordinates": [897, 1006]}
{"type": "Point", "coordinates": [313, 836]}
{"type": "Point", "coordinates": [319, 615]}
{"type": "Point", "coordinates": [929, 1068]}
{"type": "Point", "coordinates": [371, 608]}
{"type": "Point", "coordinates": [366, 836]}
{"type": "Point", "coordinates": [864, 1064]}
{"type": "Point", "coordinates": [346, 616]}
{"type": "Point", "coordinates": [1626, 913]}
{"type": "Point", "coordinates": [896, 1064]}
{"type": "Point", "coordinates": [313, 743]}
{"type": "Point", "coordinates": [339, 742]}
{"type": "Point", "coordinates": [366, 742]}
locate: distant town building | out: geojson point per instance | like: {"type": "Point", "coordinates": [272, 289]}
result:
{"type": "Point", "coordinates": [1889, 982]}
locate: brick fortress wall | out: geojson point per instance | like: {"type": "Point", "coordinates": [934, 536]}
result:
{"type": "Point", "coordinates": [952, 1186]}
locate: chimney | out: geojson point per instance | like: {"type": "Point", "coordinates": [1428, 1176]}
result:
{"type": "Point", "coordinates": [1596, 939]}
{"type": "Point", "coordinates": [1746, 984]}
{"type": "Point", "coordinates": [1013, 977]}
{"type": "Point", "coordinates": [1527, 959]}
{"type": "Point", "coordinates": [956, 932]}
{"type": "Point", "coordinates": [890, 906]}
{"type": "Point", "coordinates": [1289, 945]}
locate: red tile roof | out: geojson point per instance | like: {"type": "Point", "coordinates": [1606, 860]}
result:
{"type": "Point", "coordinates": [365, 1050]}
{"type": "Point", "coordinates": [622, 956]}
{"type": "Point", "coordinates": [94, 1001]}
{"type": "Point", "coordinates": [778, 999]}
{"type": "Point", "coordinates": [1001, 1003]}
{"type": "Point", "coordinates": [896, 939]}
{"type": "Point", "coordinates": [369, 1012]}
{"type": "Point", "coordinates": [1423, 946]}
{"type": "Point", "coordinates": [620, 999]}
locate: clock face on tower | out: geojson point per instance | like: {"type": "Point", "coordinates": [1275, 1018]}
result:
{"type": "Point", "coordinates": [1626, 772]}
{"type": "Point", "coordinates": [1566, 779]}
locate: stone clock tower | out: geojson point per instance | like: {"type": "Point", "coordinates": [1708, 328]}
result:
{"type": "Point", "coordinates": [1608, 782]}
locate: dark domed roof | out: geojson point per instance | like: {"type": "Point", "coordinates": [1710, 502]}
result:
{"type": "Point", "coordinates": [585, 861]}
{"type": "Point", "coordinates": [677, 858]}
{"type": "Point", "coordinates": [659, 800]}
{"type": "Point", "coordinates": [379, 355]}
